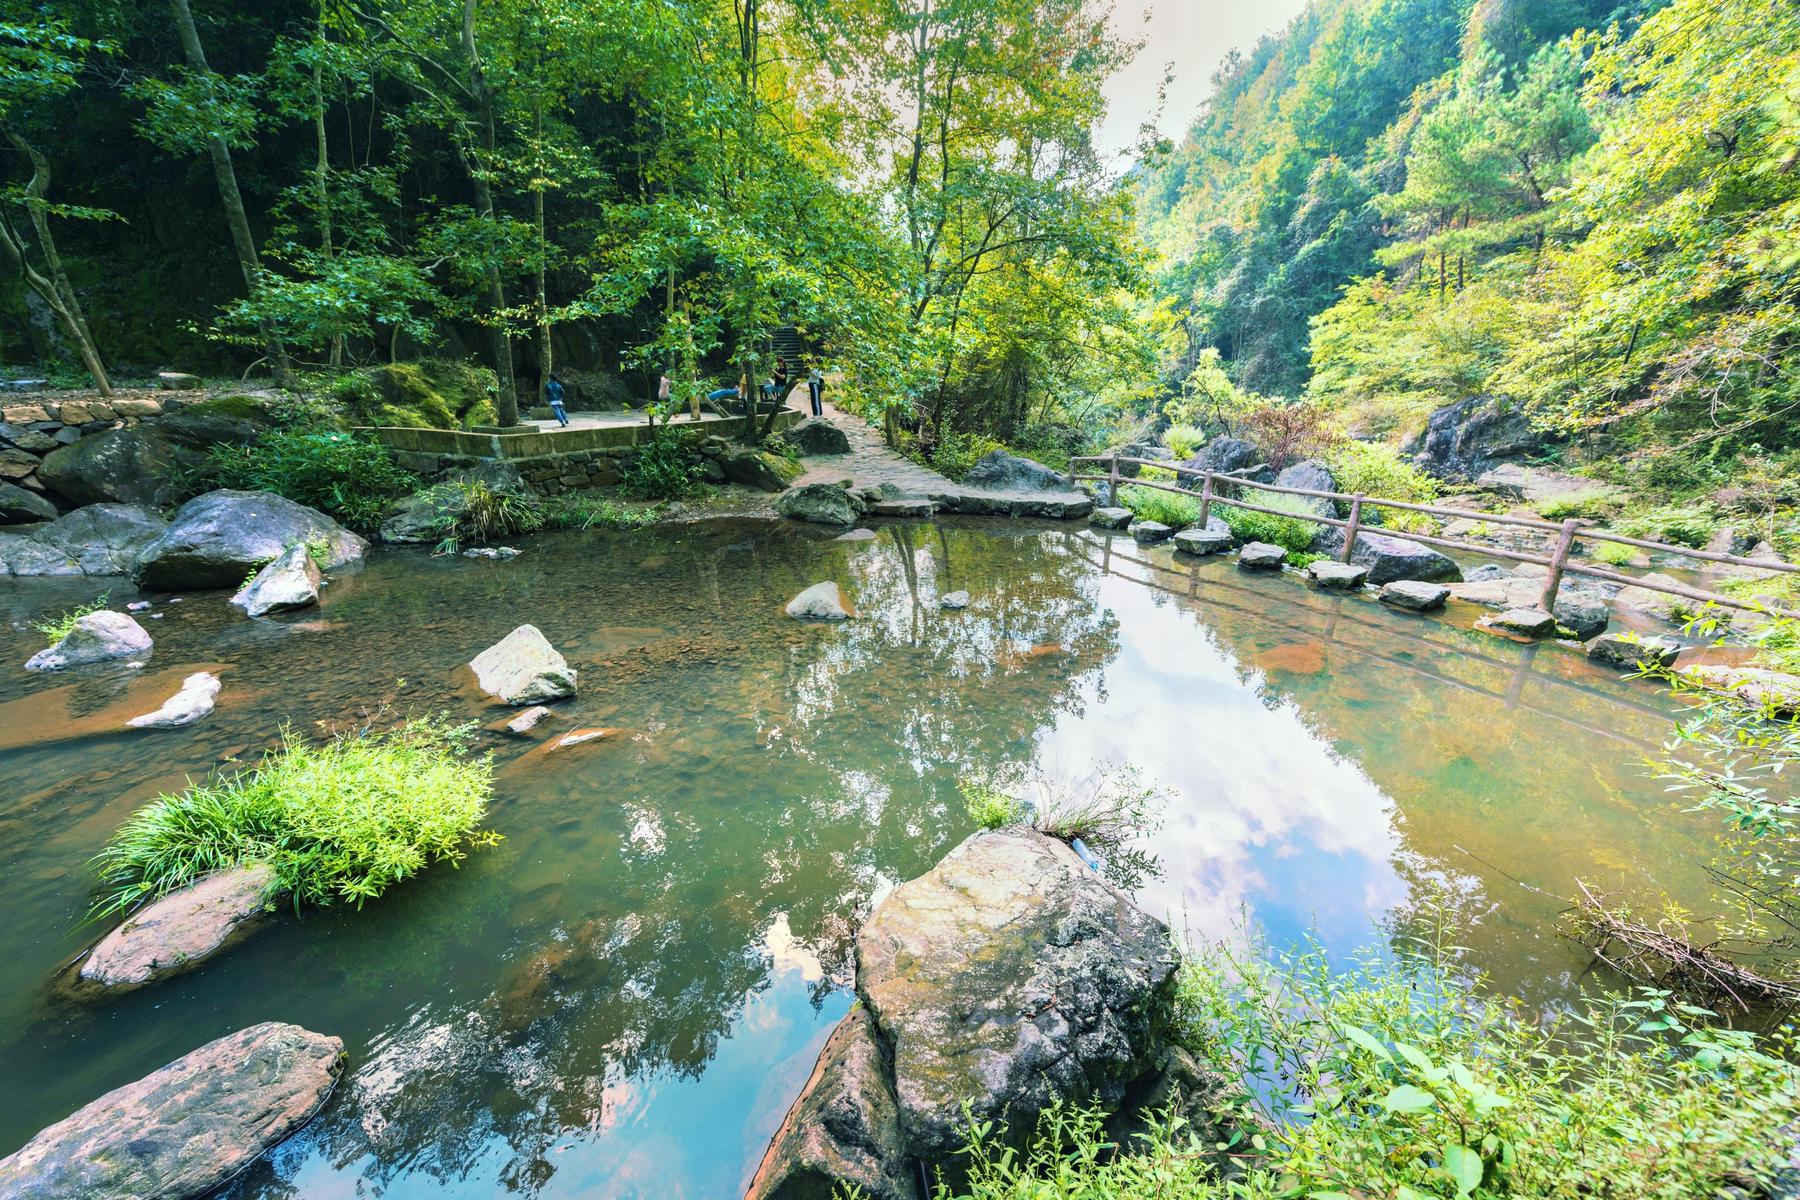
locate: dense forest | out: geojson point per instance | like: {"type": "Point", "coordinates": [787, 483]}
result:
{"type": "Point", "coordinates": [1585, 212]}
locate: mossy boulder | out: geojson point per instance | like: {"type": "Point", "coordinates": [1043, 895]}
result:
{"type": "Point", "coordinates": [431, 393]}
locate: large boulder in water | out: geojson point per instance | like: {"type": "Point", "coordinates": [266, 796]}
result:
{"type": "Point", "coordinates": [216, 539]}
{"type": "Point", "coordinates": [1010, 473]}
{"type": "Point", "coordinates": [179, 931]}
{"type": "Point", "coordinates": [96, 637]}
{"type": "Point", "coordinates": [133, 465]}
{"type": "Point", "coordinates": [1389, 558]}
{"type": "Point", "coordinates": [182, 1131]}
{"type": "Point", "coordinates": [290, 582]}
{"type": "Point", "coordinates": [820, 503]}
{"type": "Point", "coordinates": [523, 668]}
{"type": "Point", "coordinates": [1008, 978]}
{"type": "Point", "coordinates": [844, 1130]}
{"type": "Point", "coordinates": [100, 539]}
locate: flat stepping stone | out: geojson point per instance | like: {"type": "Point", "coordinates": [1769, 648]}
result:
{"type": "Point", "coordinates": [1336, 576]}
{"type": "Point", "coordinates": [917, 508]}
{"type": "Point", "coordinates": [1628, 652]}
{"type": "Point", "coordinates": [1415, 595]}
{"type": "Point", "coordinates": [1110, 518]}
{"type": "Point", "coordinates": [179, 931]}
{"type": "Point", "coordinates": [1147, 533]}
{"type": "Point", "coordinates": [1527, 622]}
{"type": "Point", "coordinates": [525, 722]}
{"type": "Point", "coordinates": [1261, 556]}
{"type": "Point", "coordinates": [1202, 541]}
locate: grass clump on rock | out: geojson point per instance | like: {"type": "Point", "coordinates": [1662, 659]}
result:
{"type": "Point", "coordinates": [55, 629]}
{"type": "Point", "coordinates": [1395, 1076]}
{"type": "Point", "coordinates": [337, 821]}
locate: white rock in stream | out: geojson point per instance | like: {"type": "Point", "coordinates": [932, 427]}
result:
{"type": "Point", "coordinates": [193, 701]}
{"type": "Point", "coordinates": [288, 583]}
{"type": "Point", "coordinates": [523, 668]}
{"type": "Point", "coordinates": [821, 602]}
{"type": "Point", "coordinates": [96, 637]}
{"type": "Point", "coordinates": [953, 600]}
{"type": "Point", "coordinates": [179, 931]}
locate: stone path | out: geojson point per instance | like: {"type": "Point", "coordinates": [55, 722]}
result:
{"type": "Point", "coordinates": [870, 464]}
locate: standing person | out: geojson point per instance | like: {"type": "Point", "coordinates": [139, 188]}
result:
{"type": "Point", "coordinates": [815, 387]}
{"type": "Point", "coordinates": [553, 392]}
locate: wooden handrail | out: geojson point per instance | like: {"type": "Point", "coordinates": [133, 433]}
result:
{"type": "Point", "coordinates": [1558, 562]}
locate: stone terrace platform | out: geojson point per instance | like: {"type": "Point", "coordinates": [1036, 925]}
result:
{"type": "Point", "coordinates": [908, 487]}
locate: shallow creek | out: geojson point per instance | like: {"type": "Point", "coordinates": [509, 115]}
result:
{"type": "Point", "coordinates": [622, 997]}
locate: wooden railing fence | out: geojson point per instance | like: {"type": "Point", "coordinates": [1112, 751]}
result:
{"type": "Point", "coordinates": [1559, 561]}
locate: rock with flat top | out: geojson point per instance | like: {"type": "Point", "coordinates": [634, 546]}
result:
{"type": "Point", "coordinates": [182, 1131]}
{"type": "Point", "coordinates": [1203, 541]}
{"type": "Point", "coordinates": [1261, 556]}
{"type": "Point", "coordinates": [179, 931]}
{"type": "Point", "coordinates": [194, 700]}
{"type": "Point", "coordinates": [1415, 595]}
{"type": "Point", "coordinates": [523, 668]}
{"type": "Point", "coordinates": [1146, 533]}
{"type": "Point", "coordinates": [1110, 518]}
{"type": "Point", "coordinates": [523, 724]}
{"type": "Point", "coordinates": [95, 638]}
{"type": "Point", "coordinates": [843, 1131]}
{"type": "Point", "coordinates": [1336, 576]}
{"type": "Point", "coordinates": [1629, 652]}
{"type": "Point", "coordinates": [289, 583]}
{"type": "Point", "coordinates": [1388, 557]}
{"type": "Point", "coordinates": [1526, 622]}
{"type": "Point", "coordinates": [821, 602]}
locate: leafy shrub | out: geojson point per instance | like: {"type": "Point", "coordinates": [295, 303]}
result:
{"type": "Point", "coordinates": [473, 511]}
{"type": "Point", "coordinates": [956, 454]}
{"type": "Point", "coordinates": [342, 820]}
{"type": "Point", "coordinates": [1150, 504]}
{"type": "Point", "coordinates": [1052, 443]}
{"type": "Point", "coordinates": [345, 475]}
{"type": "Point", "coordinates": [1592, 504]}
{"type": "Point", "coordinates": [664, 468]}
{"type": "Point", "coordinates": [991, 808]}
{"type": "Point", "coordinates": [1681, 525]}
{"type": "Point", "coordinates": [55, 629]}
{"type": "Point", "coordinates": [1612, 554]}
{"type": "Point", "coordinates": [1377, 470]}
{"type": "Point", "coordinates": [1290, 533]}
{"type": "Point", "coordinates": [1184, 440]}
{"type": "Point", "coordinates": [1286, 431]}
{"type": "Point", "coordinates": [1395, 1079]}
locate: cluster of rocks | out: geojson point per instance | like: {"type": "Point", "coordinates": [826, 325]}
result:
{"type": "Point", "coordinates": [1007, 979]}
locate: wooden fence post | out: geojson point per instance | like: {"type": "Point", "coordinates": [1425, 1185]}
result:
{"type": "Point", "coordinates": [1566, 541]}
{"type": "Point", "coordinates": [1205, 498]}
{"type": "Point", "coordinates": [1112, 482]}
{"type": "Point", "coordinates": [1355, 524]}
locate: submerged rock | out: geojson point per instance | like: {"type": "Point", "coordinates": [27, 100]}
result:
{"type": "Point", "coordinates": [525, 722]}
{"type": "Point", "coordinates": [216, 539]}
{"type": "Point", "coordinates": [954, 600]}
{"type": "Point", "coordinates": [1261, 556]}
{"type": "Point", "coordinates": [1110, 518]}
{"type": "Point", "coordinates": [1007, 978]}
{"type": "Point", "coordinates": [523, 668]}
{"type": "Point", "coordinates": [821, 602]}
{"type": "Point", "coordinates": [198, 693]}
{"type": "Point", "coordinates": [1628, 651]}
{"type": "Point", "coordinates": [1337, 576]}
{"type": "Point", "coordinates": [1006, 472]}
{"type": "Point", "coordinates": [820, 503]}
{"type": "Point", "coordinates": [97, 637]}
{"type": "Point", "coordinates": [182, 1131]}
{"type": "Point", "coordinates": [844, 1131]}
{"type": "Point", "coordinates": [1415, 595]}
{"type": "Point", "coordinates": [492, 553]}
{"type": "Point", "coordinates": [179, 931]}
{"type": "Point", "coordinates": [290, 582]}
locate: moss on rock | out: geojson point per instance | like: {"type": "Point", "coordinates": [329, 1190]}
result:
{"type": "Point", "coordinates": [431, 393]}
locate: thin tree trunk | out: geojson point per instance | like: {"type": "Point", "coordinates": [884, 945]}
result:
{"type": "Point", "coordinates": [47, 291]}
{"type": "Point", "coordinates": [67, 305]}
{"type": "Point", "coordinates": [546, 355]}
{"type": "Point", "coordinates": [322, 180]}
{"type": "Point", "coordinates": [233, 200]}
{"type": "Point", "coordinates": [506, 406]}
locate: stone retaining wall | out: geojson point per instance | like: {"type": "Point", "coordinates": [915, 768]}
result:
{"type": "Point", "coordinates": [31, 429]}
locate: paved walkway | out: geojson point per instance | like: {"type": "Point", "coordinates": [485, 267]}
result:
{"type": "Point", "coordinates": [870, 464]}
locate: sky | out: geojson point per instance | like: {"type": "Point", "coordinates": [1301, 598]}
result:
{"type": "Point", "coordinates": [1192, 34]}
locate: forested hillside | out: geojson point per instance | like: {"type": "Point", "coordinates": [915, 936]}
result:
{"type": "Point", "coordinates": [620, 188]}
{"type": "Point", "coordinates": [1585, 212]}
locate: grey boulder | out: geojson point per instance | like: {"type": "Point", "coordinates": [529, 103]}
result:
{"type": "Point", "coordinates": [133, 465]}
{"type": "Point", "coordinates": [214, 540]}
{"type": "Point", "coordinates": [1314, 476]}
{"type": "Point", "coordinates": [815, 435]}
{"type": "Point", "coordinates": [1527, 622]}
{"type": "Point", "coordinates": [1414, 595]}
{"type": "Point", "coordinates": [1629, 652]}
{"type": "Point", "coordinates": [19, 506]}
{"type": "Point", "coordinates": [1010, 473]}
{"type": "Point", "coordinates": [759, 469]}
{"type": "Point", "coordinates": [1261, 556]}
{"type": "Point", "coordinates": [179, 931]}
{"type": "Point", "coordinates": [182, 1131]}
{"type": "Point", "coordinates": [97, 637]}
{"type": "Point", "coordinates": [100, 539]}
{"type": "Point", "coordinates": [952, 601]}
{"type": "Point", "coordinates": [290, 582]}
{"type": "Point", "coordinates": [1146, 533]}
{"type": "Point", "coordinates": [1203, 541]}
{"type": "Point", "coordinates": [820, 602]}
{"type": "Point", "coordinates": [1219, 455]}
{"type": "Point", "coordinates": [195, 699]}
{"type": "Point", "coordinates": [1008, 978]}
{"type": "Point", "coordinates": [1110, 518]}
{"type": "Point", "coordinates": [821, 504]}
{"type": "Point", "coordinates": [1388, 557]}
{"type": "Point", "coordinates": [523, 668]}
{"type": "Point", "coordinates": [1337, 576]}
{"type": "Point", "coordinates": [1583, 615]}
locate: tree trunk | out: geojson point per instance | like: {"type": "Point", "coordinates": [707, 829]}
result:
{"type": "Point", "coordinates": [226, 177]}
{"type": "Point", "coordinates": [546, 354]}
{"type": "Point", "coordinates": [322, 182]}
{"type": "Point", "coordinates": [67, 307]}
{"type": "Point", "coordinates": [46, 290]}
{"type": "Point", "coordinates": [506, 405]}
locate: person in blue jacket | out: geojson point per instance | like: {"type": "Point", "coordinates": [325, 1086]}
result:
{"type": "Point", "coordinates": [553, 392]}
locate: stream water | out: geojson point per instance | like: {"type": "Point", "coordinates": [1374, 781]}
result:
{"type": "Point", "coordinates": [622, 997]}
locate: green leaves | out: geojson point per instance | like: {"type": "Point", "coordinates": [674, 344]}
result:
{"type": "Point", "coordinates": [1464, 1167]}
{"type": "Point", "coordinates": [1408, 1099]}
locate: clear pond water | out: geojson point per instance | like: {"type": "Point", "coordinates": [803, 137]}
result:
{"type": "Point", "coordinates": [623, 996]}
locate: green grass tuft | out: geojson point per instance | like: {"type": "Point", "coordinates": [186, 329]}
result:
{"type": "Point", "coordinates": [55, 629]}
{"type": "Point", "coordinates": [1149, 504]}
{"type": "Point", "coordinates": [1290, 533]}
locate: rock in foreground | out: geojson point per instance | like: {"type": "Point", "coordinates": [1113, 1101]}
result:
{"type": "Point", "coordinates": [821, 602]}
{"type": "Point", "coordinates": [97, 637]}
{"type": "Point", "coordinates": [523, 668]}
{"type": "Point", "coordinates": [820, 503]}
{"type": "Point", "coordinates": [216, 539]}
{"type": "Point", "coordinates": [185, 1129]}
{"type": "Point", "coordinates": [198, 693]}
{"type": "Point", "coordinates": [290, 582]}
{"type": "Point", "coordinates": [1627, 651]}
{"type": "Point", "coordinates": [1009, 977]}
{"type": "Point", "coordinates": [1415, 595]}
{"type": "Point", "coordinates": [1261, 556]}
{"type": "Point", "coordinates": [1337, 576]}
{"type": "Point", "coordinates": [178, 932]}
